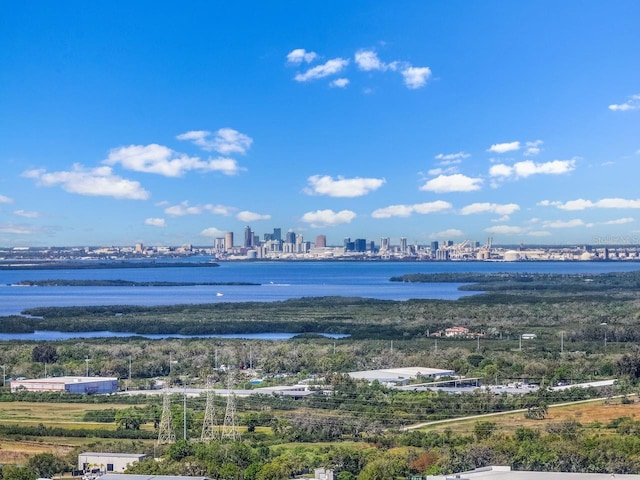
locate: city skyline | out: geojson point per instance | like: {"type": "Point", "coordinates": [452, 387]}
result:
{"type": "Point", "coordinates": [124, 123]}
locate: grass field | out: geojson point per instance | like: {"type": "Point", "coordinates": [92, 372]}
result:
{"type": "Point", "coordinates": [588, 414]}
{"type": "Point", "coordinates": [65, 415]}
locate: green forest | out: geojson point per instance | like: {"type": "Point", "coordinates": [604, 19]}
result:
{"type": "Point", "coordinates": [581, 328]}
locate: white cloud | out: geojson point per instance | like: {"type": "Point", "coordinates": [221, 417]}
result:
{"type": "Point", "coordinates": [497, 208]}
{"type": "Point", "coordinates": [416, 77]}
{"type": "Point", "coordinates": [155, 222]}
{"type": "Point", "coordinates": [500, 170]}
{"type": "Point", "coordinates": [408, 210]}
{"type": "Point", "coordinates": [555, 167]}
{"type": "Point", "coordinates": [505, 230]}
{"type": "Point", "coordinates": [184, 208]}
{"type": "Point", "coordinates": [225, 141]}
{"type": "Point", "coordinates": [452, 183]}
{"type": "Point", "coordinates": [576, 222]}
{"type": "Point", "coordinates": [331, 67]}
{"type": "Point", "coordinates": [342, 187]}
{"type": "Point", "coordinates": [26, 214]}
{"type": "Point", "coordinates": [212, 232]}
{"type": "Point", "coordinates": [527, 168]}
{"type": "Point", "coordinates": [431, 207]}
{"type": "Point", "coordinates": [339, 83]}
{"type": "Point", "coordinates": [450, 233]}
{"type": "Point", "coordinates": [197, 137]}
{"type": "Point", "coordinates": [98, 181]}
{"type": "Point", "coordinates": [368, 60]}
{"type": "Point", "coordinates": [620, 221]}
{"type": "Point", "coordinates": [328, 218]}
{"type": "Point", "coordinates": [227, 166]}
{"type": "Point", "coordinates": [582, 204]}
{"type": "Point", "coordinates": [5, 199]}
{"type": "Point", "coordinates": [228, 140]}
{"type": "Point", "coordinates": [449, 158]}
{"type": "Point", "coordinates": [633, 103]}
{"type": "Point", "coordinates": [300, 55]}
{"type": "Point", "coordinates": [164, 161]}
{"type": "Point", "coordinates": [246, 216]}
{"type": "Point", "coordinates": [393, 211]}
{"type": "Point", "coordinates": [533, 148]}
{"type": "Point", "coordinates": [21, 229]}
{"type": "Point", "coordinates": [504, 147]}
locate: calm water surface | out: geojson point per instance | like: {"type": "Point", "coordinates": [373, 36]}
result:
{"type": "Point", "coordinates": [277, 281]}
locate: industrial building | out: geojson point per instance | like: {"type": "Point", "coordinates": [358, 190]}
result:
{"type": "Point", "coordinates": [125, 476]}
{"type": "Point", "coordinates": [400, 375]}
{"type": "Point", "coordinates": [500, 473]}
{"type": "Point", "coordinates": [98, 463]}
{"type": "Point", "coordinates": [78, 385]}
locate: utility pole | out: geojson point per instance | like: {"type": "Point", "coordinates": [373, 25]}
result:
{"type": "Point", "coordinates": [4, 375]}
{"type": "Point", "coordinates": [561, 342]}
{"type": "Point", "coordinates": [230, 425]}
{"type": "Point", "coordinates": [209, 430]}
{"type": "Point", "coordinates": [86, 360]}
{"type": "Point", "coordinates": [165, 429]}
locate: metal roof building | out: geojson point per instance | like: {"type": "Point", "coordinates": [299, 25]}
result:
{"type": "Point", "coordinates": [400, 375]}
{"type": "Point", "coordinates": [90, 462]}
{"type": "Point", "coordinates": [505, 473]}
{"type": "Point", "coordinates": [78, 385]}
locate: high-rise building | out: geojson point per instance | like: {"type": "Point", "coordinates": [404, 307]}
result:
{"type": "Point", "coordinates": [321, 241]}
{"type": "Point", "coordinates": [403, 245]}
{"type": "Point", "coordinates": [349, 246]}
{"type": "Point", "coordinates": [228, 241]}
{"type": "Point", "coordinates": [248, 237]}
{"type": "Point", "coordinates": [385, 244]}
{"type": "Point", "coordinates": [277, 234]}
{"type": "Point", "coordinates": [290, 237]}
{"type": "Point", "coordinates": [360, 245]}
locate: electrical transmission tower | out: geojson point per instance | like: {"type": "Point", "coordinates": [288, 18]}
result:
{"type": "Point", "coordinates": [166, 433]}
{"type": "Point", "coordinates": [209, 427]}
{"type": "Point", "coordinates": [230, 426]}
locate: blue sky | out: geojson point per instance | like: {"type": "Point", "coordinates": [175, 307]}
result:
{"type": "Point", "coordinates": [167, 123]}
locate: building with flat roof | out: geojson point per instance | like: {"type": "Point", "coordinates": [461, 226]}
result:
{"type": "Point", "coordinates": [505, 473]}
{"type": "Point", "coordinates": [124, 476]}
{"type": "Point", "coordinates": [78, 385]}
{"type": "Point", "coordinates": [94, 462]}
{"type": "Point", "coordinates": [400, 375]}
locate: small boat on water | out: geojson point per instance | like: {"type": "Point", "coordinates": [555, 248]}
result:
{"type": "Point", "coordinates": [219, 294]}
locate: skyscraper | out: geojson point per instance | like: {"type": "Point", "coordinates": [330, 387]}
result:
{"type": "Point", "coordinates": [228, 241]}
{"type": "Point", "coordinates": [248, 237]}
{"type": "Point", "coordinates": [321, 241]}
{"type": "Point", "coordinates": [290, 237]}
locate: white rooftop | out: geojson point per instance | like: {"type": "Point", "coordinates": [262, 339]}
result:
{"type": "Point", "coordinates": [398, 374]}
{"type": "Point", "coordinates": [66, 380]}
{"type": "Point", "coordinates": [504, 473]}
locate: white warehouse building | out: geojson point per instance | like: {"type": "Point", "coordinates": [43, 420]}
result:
{"type": "Point", "coordinates": [92, 462]}
{"type": "Point", "coordinates": [78, 385]}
